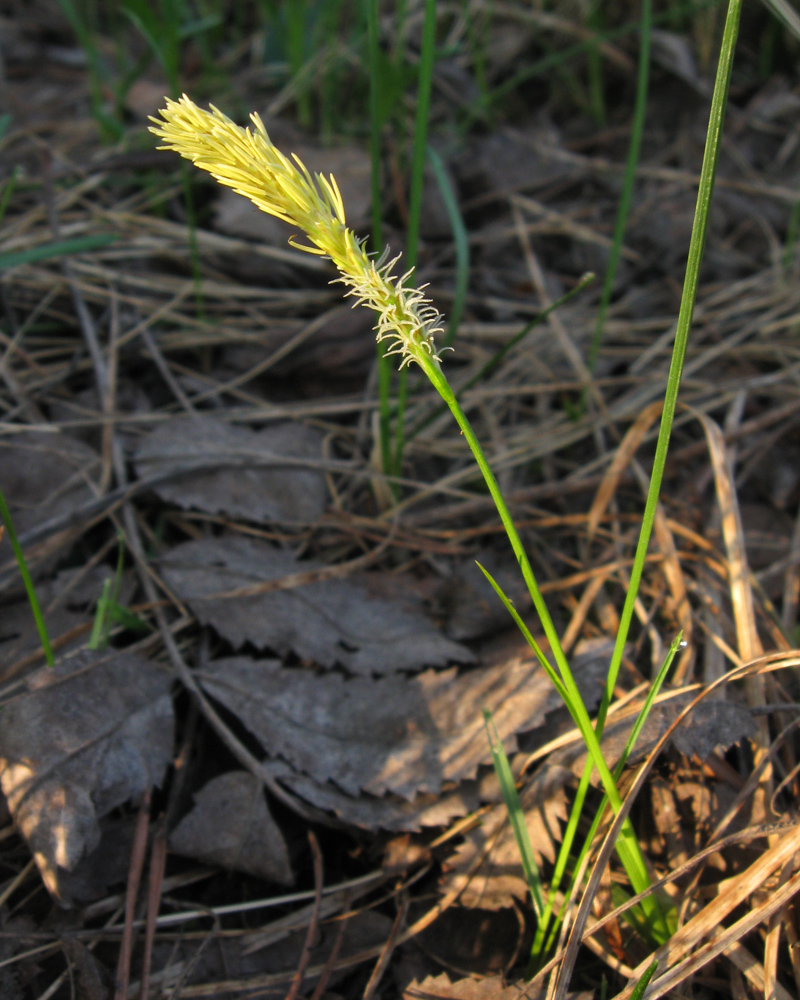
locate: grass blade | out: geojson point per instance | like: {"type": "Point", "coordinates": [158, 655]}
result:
{"type": "Point", "coordinates": [516, 816]}
{"type": "Point", "coordinates": [41, 628]}
{"type": "Point", "coordinates": [385, 367]}
{"type": "Point", "coordinates": [460, 242]}
{"type": "Point", "coordinates": [81, 244]}
{"type": "Point", "coordinates": [623, 209]}
{"type": "Point", "coordinates": [425, 81]}
{"type": "Point", "coordinates": [540, 948]}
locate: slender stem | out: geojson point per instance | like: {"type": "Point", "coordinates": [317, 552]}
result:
{"type": "Point", "coordinates": [696, 246]}
{"type": "Point", "coordinates": [627, 846]}
{"type": "Point", "coordinates": [425, 79]}
{"type": "Point", "coordinates": [623, 209]}
{"type": "Point", "coordinates": [695, 256]}
{"type": "Point", "coordinates": [385, 367]}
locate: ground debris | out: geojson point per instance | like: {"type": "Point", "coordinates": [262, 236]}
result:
{"type": "Point", "coordinates": [239, 472]}
{"type": "Point", "coordinates": [489, 988]}
{"type": "Point", "coordinates": [78, 741]}
{"type": "Point", "coordinates": [327, 621]}
{"type": "Point", "coordinates": [405, 735]}
{"type": "Point", "coordinates": [231, 826]}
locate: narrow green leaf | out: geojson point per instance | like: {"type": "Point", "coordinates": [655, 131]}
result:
{"type": "Point", "coordinates": [5, 514]}
{"type": "Point", "coordinates": [62, 248]}
{"type": "Point", "coordinates": [460, 242]}
{"type": "Point", "coordinates": [516, 816]}
{"type": "Point", "coordinates": [644, 982]}
{"type": "Point", "coordinates": [99, 636]}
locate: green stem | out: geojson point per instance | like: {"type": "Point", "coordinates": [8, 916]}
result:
{"type": "Point", "coordinates": [695, 256]}
{"type": "Point", "coordinates": [686, 311]}
{"type": "Point", "coordinates": [385, 367]}
{"type": "Point", "coordinates": [627, 846]}
{"type": "Point", "coordinates": [427, 60]}
{"type": "Point", "coordinates": [637, 130]}
{"type": "Point", "coordinates": [539, 946]}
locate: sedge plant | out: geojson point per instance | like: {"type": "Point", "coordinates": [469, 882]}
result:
{"type": "Point", "coordinates": [246, 160]}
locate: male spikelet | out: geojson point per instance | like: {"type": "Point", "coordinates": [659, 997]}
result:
{"type": "Point", "coordinates": [247, 161]}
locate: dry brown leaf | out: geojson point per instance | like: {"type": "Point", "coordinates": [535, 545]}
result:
{"type": "Point", "coordinates": [709, 725]}
{"type": "Point", "coordinates": [245, 472]}
{"type": "Point", "coordinates": [490, 988]}
{"type": "Point", "coordinates": [498, 881]}
{"type": "Point", "coordinates": [396, 734]}
{"type": "Point", "coordinates": [20, 637]}
{"type": "Point", "coordinates": [230, 826]}
{"type": "Point", "coordinates": [469, 603]}
{"type": "Point", "coordinates": [385, 812]}
{"type": "Point", "coordinates": [78, 741]}
{"type": "Point", "coordinates": [329, 621]}
{"type": "Point", "coordinates": [44, 475]}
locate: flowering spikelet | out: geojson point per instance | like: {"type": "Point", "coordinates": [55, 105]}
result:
{"type": "Point", "coordinates": [247, 161]}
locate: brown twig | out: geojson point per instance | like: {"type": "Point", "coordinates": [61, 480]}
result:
{"type": "Point", "coordinates": [305, 957]}
{"type": "Point", "coordinates": [138, 853]}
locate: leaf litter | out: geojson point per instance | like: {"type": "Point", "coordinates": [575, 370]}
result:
{"type": "Point", "coordinates": [404, 735]}
{"type": "Point", "coordinates": [256, 475]}
{"type": "Point", "coordinates": [77, 742]}
{"type": "Point", "coordinates": [328, 622]}
{"type": "Point", "coordinates": [230, 826]}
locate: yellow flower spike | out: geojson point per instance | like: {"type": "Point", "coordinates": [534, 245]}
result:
{"type": "Point", "coordinates": [246, 160]}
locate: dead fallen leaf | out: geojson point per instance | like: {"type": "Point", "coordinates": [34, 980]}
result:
{"type": "Point", "coordinates": [472, 941]}
{"type": "Point", "coordinates": [330, 621]}
{"type": "Point", "coordinates": [491, 988]}
{"type": "Point", "coordinates": [498, 881]}
{"type": "Point", "coordinates": [385, 812]}
{"type": "Point", "coordinates": [19, 636]}
{"type": "Point", "coordinates": [406, 735]}
{"type": "Point", "coordinates": [231, 826]}
{"type": "Point", "coordinates": [106, 866]}
{"type": "Point", "coordinates": [470, 605]}
{"type": "Point", "coordinates": [710, 724]}
{"type": "Point", "coordinates": [243, 474]}
{"type": "Point", "coordinates": [75, 743]}
{"type": "Point", "coordinates": [44, 475]}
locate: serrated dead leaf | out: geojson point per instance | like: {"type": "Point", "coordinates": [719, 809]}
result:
{"type": "Point", "coordinates": [329, 621]}
{"type": "Point", "coordinates": [385, 812]}
{"type": "Point", "coordinates": [711, 723]}
{"type": "Point", "coordinates": [405, 735]}
{"type": "Point", "coordinates": [230, 826]}
{"type": "Point", "coordinates": [78, 741]}
{"type": "Point", "coordinates": [44, 475]}
{"type": "Point", "coordinates": [489, 988]}
{"type": "Point", "coordinates": [245, 473]}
